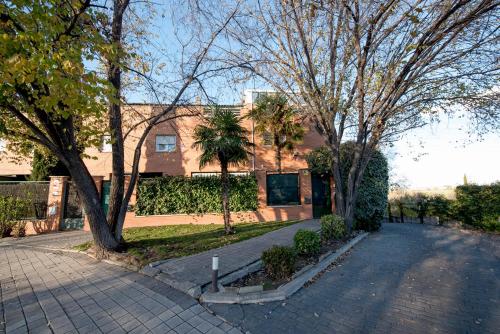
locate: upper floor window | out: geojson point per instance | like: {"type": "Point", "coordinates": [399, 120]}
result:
{"type": "Point", "coordinates": [165, 143]}
{"type": "Point", "coordinates": [267, 139]}
{"type": "Point", "coordinates": [106, 144]}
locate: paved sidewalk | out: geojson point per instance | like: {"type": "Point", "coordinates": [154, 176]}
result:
{"type": "Point", "coordinates": [408, 278]}
{"type": "Point", "coordinates": [54, 292]}
{"type": "Point", "coordinates": [195, 270]}
{"type": "Point", "coordinates": [57, 240]}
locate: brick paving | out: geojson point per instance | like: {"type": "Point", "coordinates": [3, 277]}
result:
{"type": "Point", "coordinates": [408, 278]}
{"type": "Point", "coordinates": [54, 292]}
{"type": "Point", "coordinates": [196, 269]}
{"type": "Point", "coordinates": [59, 240]}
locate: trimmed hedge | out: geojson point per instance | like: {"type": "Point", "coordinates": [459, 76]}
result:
{"type": "Point", "coordinates": [332, 227]}
{"type": "Point", "coordinates": [279, 262]}
{"type": "Point", "coordinates": [11, 211]}
{"type": "Point", "coordinates": [307, 242]}
{"type": "Point", "coordinates": [478, 206]}
{"type": "Point", "coordinates": [198, 195]}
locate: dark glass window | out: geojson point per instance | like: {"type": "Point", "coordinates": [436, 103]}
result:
{"type": "Point", "coordinates": [283, 189]}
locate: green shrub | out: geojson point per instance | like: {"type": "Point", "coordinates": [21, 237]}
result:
{"type": "Point", "coordinates": [11, 210]}
{"type": "Point", "coordinates": [279, 262]}
{"type": "Point", "coordinates": [371, 203]}
{"type": "Point", "coordinates": [441, 207]}
{"type": "Point", "coordinates": [332, 227]}
{"type": "Point", "coordinates": [478, 205]}
{"type": "Point", "coordinates": [198, 195]}
{"type": "Point", "coordinates": [307, 242]}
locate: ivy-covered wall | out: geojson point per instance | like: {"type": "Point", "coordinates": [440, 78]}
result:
{"type": "Point", "coordinates": [198, 195]}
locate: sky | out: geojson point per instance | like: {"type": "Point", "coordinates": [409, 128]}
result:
{"type": "Point", "coordinates": [439, 155]}
{"type": "Point", "coordinates": [436, 155]}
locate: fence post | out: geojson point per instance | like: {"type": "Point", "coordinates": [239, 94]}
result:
{"type": "Point", "coordinates": [55, 202]}
{"type": "Point", "coordinates": [98, 183]}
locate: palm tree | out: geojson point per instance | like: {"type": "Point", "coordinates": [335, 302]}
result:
{"type": "Point", "coordinates": [223, 139]}
{"type": "Point", "coordinates": [273, 115]}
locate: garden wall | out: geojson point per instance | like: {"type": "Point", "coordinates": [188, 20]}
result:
{"type": "Point", "coordinates": [262, 214]}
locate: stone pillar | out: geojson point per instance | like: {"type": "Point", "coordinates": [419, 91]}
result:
{"type": "Point", "coordinates": [306, 192]}
{"type": "Point", "coordinates": [261, 176]}
{"type": "Point", "coordinates": [98, 183]}
{"type": "Point", "coordinates": [55, 202]}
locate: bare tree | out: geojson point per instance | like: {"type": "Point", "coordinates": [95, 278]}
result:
{"type": "Point", "coordinates": [59, 103]}
{"type": "Point", "coordinates": [371, 70]}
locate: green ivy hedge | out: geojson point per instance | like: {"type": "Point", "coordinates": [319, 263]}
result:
{"type": "Point", "coordinates": [198, 195]}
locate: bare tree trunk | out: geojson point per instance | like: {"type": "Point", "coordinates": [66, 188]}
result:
{"type": "Point", "coordinates": [277, 146]}
{"type": "Point", "coordinates": [401, 214]}
{"type": "Point", "coordinates": [225, 198]}
{"type": "Point", "coordinates": [85, 185]}
{"type": "Point", "coordinates": [339, 184]}
{"type": "Point", "coordinates": [115, 119]}
{"type": "Point", "coordinates": [278, 159]}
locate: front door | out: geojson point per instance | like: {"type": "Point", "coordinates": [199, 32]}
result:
{"type": "Point", "coordinates": [321, 198]}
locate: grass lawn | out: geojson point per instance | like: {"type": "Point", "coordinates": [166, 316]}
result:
{"type": "Point", "coordinates": [149, 244]}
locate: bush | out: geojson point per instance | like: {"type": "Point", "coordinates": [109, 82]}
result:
{"type": "Point", "coordinates": [11, 210]}
{"type": "Point", "coordinates": [478, 205]}
{"type": "Point", "coordinates": [198, 195]}
{"type": "Point", "coordinates": [307, 242]}
{"type": "Point", "coordinates": [279, 262]}
{"type": "Point", "coordinates": [332, 227]}
{"type": "Point", "coordinates": [371, 202]}
{"type": "Point", "coordinates": [441, 207]}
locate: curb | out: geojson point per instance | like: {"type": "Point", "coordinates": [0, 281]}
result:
{"type": "Point", "coordinates": [196, 290]}
{"type": "Point", "coordinates": [230, 296]}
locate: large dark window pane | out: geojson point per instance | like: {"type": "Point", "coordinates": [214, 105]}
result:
{"type": "Point", "coordinates": [283, 189]}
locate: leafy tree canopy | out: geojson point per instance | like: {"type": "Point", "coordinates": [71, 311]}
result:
{"type": "Point", "coordinates": [44, 46]}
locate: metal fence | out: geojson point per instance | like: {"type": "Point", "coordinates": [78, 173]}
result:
{"type": "Point", "coordinates": [73, 211]}
{"type": "Point", "coordinates": [34, 192]}
{"type": "Point", "coordinates": [72, 207]}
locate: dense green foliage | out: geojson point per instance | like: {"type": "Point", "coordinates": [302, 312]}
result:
{"type": "Point", "coordinates": [307, 242]}
{"type": "Point", "coordinates": [11, 210]}
{"type": "Point", "coordinates": [371, 201]}
{"type": "Point", "coordinates": [479, 206]}
{"type": "Point", "coordinates": [44, 48]}
{"type": "Point", "coordinates": [279, 262]}
{"type": "Point", "coordinates": [476, 205]}
{"type": "Point", "coordinates": [332, 227]}
{"type": "Point", "coordinates": [44, 165]}
{"type": "Point", "coordinates": [320, 160]}
{"type": "Point", "coordinates": [185, 195]}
